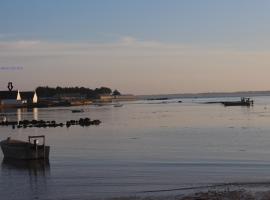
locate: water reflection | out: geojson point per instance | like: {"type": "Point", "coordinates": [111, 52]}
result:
{"type": "Point", "coordinates": [34, 167]}
{"type": "Point", "coordinates": [35, 113]}
{"type": "Point", "coordinates": [18, 114]}
{"type": "Point", "coordinates": [30, 177]}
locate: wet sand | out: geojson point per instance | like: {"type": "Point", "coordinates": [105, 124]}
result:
{"type": "Point", "coordinates": [227, 194]}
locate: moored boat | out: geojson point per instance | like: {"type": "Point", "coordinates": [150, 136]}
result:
{"type": "Point", "coordinates": [77, 111]}
{"type": "Point", "coordinates": [17, 149]}
{"type": "Point", "coordinates": [244, 102]}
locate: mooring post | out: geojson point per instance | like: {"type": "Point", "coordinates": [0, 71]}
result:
{"type": "Point", "coordinates": [36, 147]}
{"type": "Point", "coordinates": [44, 152]}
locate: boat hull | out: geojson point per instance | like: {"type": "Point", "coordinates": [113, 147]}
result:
{"type": "Point", "coordinates": [24, 151]}
{"type": "Point", "coordinates": [236, 103]}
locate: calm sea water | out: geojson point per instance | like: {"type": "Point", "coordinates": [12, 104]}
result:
{"type": "Point", "coordinates": [142, 146]}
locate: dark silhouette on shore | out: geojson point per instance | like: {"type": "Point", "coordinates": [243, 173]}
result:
{"type": "Point", "coordinates": [45, 92]}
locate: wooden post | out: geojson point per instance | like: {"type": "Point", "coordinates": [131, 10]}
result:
{"type": "Point", "coordinates": [36, 145]}
{"type": "Point", "coordinates": [44, 151]}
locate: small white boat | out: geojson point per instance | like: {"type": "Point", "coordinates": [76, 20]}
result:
{"type": "Point", "coordinates": [118, 105]}
{"type": "Point", "coordinates": [3, 118]}
{"type": "Point", "coordinates": [17, 149]}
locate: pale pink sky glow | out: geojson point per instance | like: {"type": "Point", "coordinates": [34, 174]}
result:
{"type": "Point", "coordinates": [134, 66]}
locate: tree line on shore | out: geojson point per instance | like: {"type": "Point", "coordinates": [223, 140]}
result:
{"type": "Point", "coordinates": [82, 91]}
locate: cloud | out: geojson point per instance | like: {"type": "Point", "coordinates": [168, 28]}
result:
{"type": "Point", "coordinates": [125, 46]}
{"type": "Point", "coordinates": [20, 45]}
{"type": "Point", "coordinates": [128, 40]}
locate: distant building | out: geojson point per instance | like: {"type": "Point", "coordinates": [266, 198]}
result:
{"type": "Point", "coordinates": [105, 98]}
{"type": "Point", "coordinates": [10, 99]}
{"type": "Point", "coordinates": [17, 98]}
{"type": "Point", "coordinates": [70, 96]}
{"type": "Point", "coordinates": [124, 97]}
{"type": "Point", "coordinates": [110, 98]}
{"type": "Point", "coordinates": [29, 97]}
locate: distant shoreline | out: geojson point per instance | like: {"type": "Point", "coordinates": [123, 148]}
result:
{"type": "Point", "coordinates": [206, 95]}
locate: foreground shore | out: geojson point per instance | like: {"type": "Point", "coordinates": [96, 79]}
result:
{"type": "Point", "coordinates": [240, 194]}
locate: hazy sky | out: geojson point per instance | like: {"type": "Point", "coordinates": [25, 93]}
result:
{"type": "Point", "coordinates": [139, 46]}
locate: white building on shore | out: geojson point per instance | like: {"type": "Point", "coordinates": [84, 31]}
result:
{"type": "Point", "coordinates": [17, 98]}
{"type": "Point", "coordinates": [10, 99]}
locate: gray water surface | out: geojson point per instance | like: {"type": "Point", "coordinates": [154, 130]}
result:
{"type": "Point", "coordinates": [140, 147]}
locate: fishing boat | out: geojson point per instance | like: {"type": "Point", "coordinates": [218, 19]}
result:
{"type": "Point", "coordinates": [77, 111]}
{"type": "Point", "coordinates": [243, 102]}
{"type": "Point", "coordinates": [25, 150]}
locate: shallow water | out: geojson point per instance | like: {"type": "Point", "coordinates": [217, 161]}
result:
{"type": "Point", "coordinates": [141, 147]}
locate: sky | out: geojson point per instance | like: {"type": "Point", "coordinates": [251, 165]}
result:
{"type": "Point", "coordinates": [139, 47]}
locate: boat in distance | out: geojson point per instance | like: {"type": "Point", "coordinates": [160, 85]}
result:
{"type": "Point", "coordinates": [243, 102]}
{"type": "Point", "coordinates": [77, 111]}
{"type": "Point", "coordinates": [25, 150]}
{"type": "Point", "coordinates": [118, 105]}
